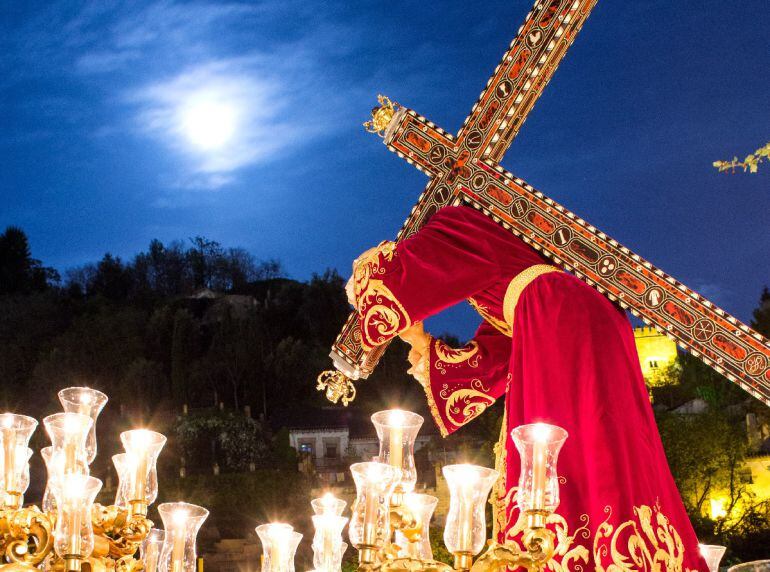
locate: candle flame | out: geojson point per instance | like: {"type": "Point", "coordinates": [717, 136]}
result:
{"type": "Point", "coordinates": [541, 432]}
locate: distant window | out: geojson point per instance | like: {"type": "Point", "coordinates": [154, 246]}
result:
{"type": "Point", "coordinates": [654, 364]}
{"type": "Point", "coordinates": [745, 477]}
{"type": "Point", "coordinates": [331, 451]}
{"type": "Point", "coordinates": [305, 448]}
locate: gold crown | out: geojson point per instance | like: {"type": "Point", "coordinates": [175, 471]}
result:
{"type": "Point", "coordinates": [382, 115]}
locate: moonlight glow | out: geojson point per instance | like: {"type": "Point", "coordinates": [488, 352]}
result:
{"type": "Point", "coordinates": [209, 125]}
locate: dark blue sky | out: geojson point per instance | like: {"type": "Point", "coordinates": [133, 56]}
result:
{"type": "Point", "coordinates": [94, 158]}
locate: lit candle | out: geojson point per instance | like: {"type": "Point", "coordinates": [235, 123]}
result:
{"type": "Point", "coordinates": [371, 509]}
{"type": "Point", "coordinates": [74, 491]}
{"type": "Point", "coordinates": [139, 453]}
{"type": "Point", "coordinates": [179, 520]}
{"type": "Point", "coordinates": [469, 483]}
{"type": "Point", "coordinates": [396, 421]}
{"type": "Point", "coordinates": [540, 434]}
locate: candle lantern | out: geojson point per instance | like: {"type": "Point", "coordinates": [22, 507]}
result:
{"type": "Point", "coordinates": [415, 540]}
{"type": "Point", "coordinates": [538, 491]}
{"type": "Point", "coordinates": [74, 535]}
{"type": "Point", "coordinates": [279, 544]}
{"type": "Point", "coordinates": [181, 522]}
{"type": "Point", "coordinates": [68, 433]}
{"type": "Point", "coordinates": [712, 554]}
{"type": "Point", "coordinates": [328, 504]}
{"type": "Point", "coordinates": [327, 542]}
{"type": "Point", "coordinates": [369, 528]}
{"type": "Point", "coordinates": [15, 432]}
{"type": "Point", "coordinates": [465, 530]}
{"type": "Point", "coordinates": [397, 431]}
{"type": "Point", "coordinates": [49, 501]}
{"type": "Point", "coordinates": [85, 401]}
{"type": "Point", "coordinates": [139, 467]}
{"type": "Point", "coordinates": [149, 551]}
{"type": "Point", "coordinates": [121, 492]}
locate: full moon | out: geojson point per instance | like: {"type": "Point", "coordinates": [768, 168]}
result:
{"type": "Point", "coordinates": [209, 125]}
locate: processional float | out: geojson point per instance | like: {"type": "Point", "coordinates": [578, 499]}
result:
{"type": "Point", "coordinates": [464, 169]}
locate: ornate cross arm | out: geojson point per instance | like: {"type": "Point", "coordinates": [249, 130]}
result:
{"type": "Point", "coordinates": [465, 170]}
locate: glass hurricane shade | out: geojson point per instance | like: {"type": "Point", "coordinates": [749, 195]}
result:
{"type": "Point", "coordinates": [68, 433]}
{"type": "Point", "coordinates": [328, 504]}
{"type": "Point", "coordinates": [279, 545]}
{"type": "Point", "coordinates": [415, 540]}
{"type": "Point", "coordinates": [397, 431]}
{"type": "Point", "coordinates": [370, 519]}
{"type": "Point", "coordinates": [327, 542]}
{"type": "Point", "coordinates": [469, 485]}
{"type": "Point", "coordinates": [139, 476]}
{"type": "Point", "coordinates": [712, 554]}
{"type": "Point", "coordinates": [15, 432]}
{"type": "Point", "coordinates": [75, 494]}
{"type": "Point", "coordinates": [181, 523]}
{"type": "Point", "coordinates": [85, 401]}
{"type": "Point", "coordinates": [149, 550]}
{"type": "Point", "coordinates": [538, 445]}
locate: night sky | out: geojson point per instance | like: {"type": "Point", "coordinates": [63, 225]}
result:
{"type": "Point", "coordinates": [99, 150]}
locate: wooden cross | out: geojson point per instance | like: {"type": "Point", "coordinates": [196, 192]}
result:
{"type": "Point", "coordinates": [464, 169]}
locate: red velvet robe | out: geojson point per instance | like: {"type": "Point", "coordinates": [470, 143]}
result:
{"type": "Point", "coordinates": [564, 355]}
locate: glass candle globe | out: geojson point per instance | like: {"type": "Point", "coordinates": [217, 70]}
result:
{"type": "Point", "coordinates": [181, 522]}
{"type": "Point", "coordinates": [49, 500]}
{"type": "Point", "coordinates": [15, 432]}
{"type": "Point", "coordinates": [279, 545]}
{"type": "Point", "coordinates": [415, 540]}
{"type": "Point", "coordinates": [327, 541]}
{"type": "Point", "coordinates": [538, 445]}
{"type": "Point", "coordinates": [73, 535]}
{"type": "Point", "coordinates": [68, 433]}
{"type": "Point", "coordinates": [328, 504]}
{"type": "Point", "coordinates": [140, 471]}
{"type": "Point", "coordinates": [121, 493]}
{"type": "Point", "coordinates": [466, 528]}
{"type": "Point", "coordinates": [397, 431]}
{"type": "Point", "coordinates": [85, 401]}
{"type": "Point", "coordinates": [370, 523]}
{"type": "Point", "coordinates": [712, 554]}
{"type": "Point", "coordinates": [149, 550]}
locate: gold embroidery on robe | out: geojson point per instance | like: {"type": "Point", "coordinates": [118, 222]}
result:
{"type": "Point", "coordinates": [568, 556]}
{"type": "Point", "coordinates": [497, 323]}
{"type": "Point", "coordinates": [368, 265]}
{"type": "Point", "coordinates": [647, 542]}
{"type": "Point", "coordinates": [464, 404]}
{"type": "Point", "coordinates": [382, 315]}
{"type": "Point", "coordinates": [426, 386]}
{"type": "Point", "coordinates": [467, 355]}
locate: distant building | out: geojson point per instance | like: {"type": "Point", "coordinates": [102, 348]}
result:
{"type": "Point", "coordinates": [328, 440]}
{"type": "Point", "coordinates": [655, 350]}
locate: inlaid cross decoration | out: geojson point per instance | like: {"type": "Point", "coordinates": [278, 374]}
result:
{"type": "Point", "coordinates": [464, 169]}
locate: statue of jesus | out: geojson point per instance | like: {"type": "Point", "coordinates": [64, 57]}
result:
{"type": "Point", "coordinates": [559, 352]}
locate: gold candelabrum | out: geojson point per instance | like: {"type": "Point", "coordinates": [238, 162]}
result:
{"type": "Point", "coordinates": [69, 532]}
{"type": "Point", "coordinates": [389, 523]}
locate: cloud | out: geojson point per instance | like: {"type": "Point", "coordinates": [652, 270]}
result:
{"type": "Point", "coordinates": [142, 65]}
{"type": "Point", "coordinates": [258, 103]}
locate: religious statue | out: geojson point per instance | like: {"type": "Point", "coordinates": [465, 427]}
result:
{"type": "Point", "coordinates": [556, 351]}
{"type": "Point", "coordinates": [555, 341]}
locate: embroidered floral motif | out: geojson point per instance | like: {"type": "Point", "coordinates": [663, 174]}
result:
{"type": "Point", "coordinates": [465, 404]}
{"type": "Point", "coordinates": [568, 555]}
{"type": "Point", "coordinates": [382, 315]}
{"type": "Point", "coordinates": [369, 265]}
{"type": "Point", "coordinates": [484, 312]}
{"type": "Point", "coordinates": [468, 355]}
{"type": "Point", "coordinates": [647, 542]}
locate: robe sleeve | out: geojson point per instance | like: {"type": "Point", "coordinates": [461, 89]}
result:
{"type": "Point", "coordinates": [448, 260]}
{"type": "Point", "coordinates": [461, 383]}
